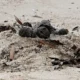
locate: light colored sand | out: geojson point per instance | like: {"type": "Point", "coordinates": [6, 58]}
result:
{"type": "Point", "coordinates": [62, 13]}
{"type": "Point", "coordinates": [67, 74]}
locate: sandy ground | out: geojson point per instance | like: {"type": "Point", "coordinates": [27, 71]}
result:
{"type": "Point", "coordinates": [62, 13]}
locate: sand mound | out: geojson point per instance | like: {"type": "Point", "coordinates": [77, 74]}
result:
{"type": "Point", "coordinates": [29, 56]}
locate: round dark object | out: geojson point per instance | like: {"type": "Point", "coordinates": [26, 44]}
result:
{"type": "Point", "coordinates": [63, 31]}
{"type": "Point", "coordinates": [43, 32]}
{"type": "Point", "coordinates": [25, 32]}
{"type": "Point", "coordinates": [27, 24]}
{"type": "Point", "coordinates": [46, 23]}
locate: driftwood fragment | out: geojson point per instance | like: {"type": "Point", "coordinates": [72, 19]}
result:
{"type": "Point", "coordinates": [17, 19]}
{"type": "Point", "coordinates": [43, 42]}
{"type": "Point", "coordinates": [50, 43]}
{"type": "Point", "coordinates": [12, 52]}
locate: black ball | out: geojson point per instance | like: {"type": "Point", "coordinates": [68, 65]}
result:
{"type": "Point", "coordinates": [27, 24]}
{"type": "Point", "coordinates": [25, 32]}
{"type": "Point", "coordinates": [43, 32]}
{"type": "Point", "coordinates": [47, 24]}
{"type": "Point", "coordinates": [63, 31]}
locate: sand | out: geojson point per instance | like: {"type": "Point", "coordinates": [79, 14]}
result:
{"type": "Point", "coordinates": [30, 62]}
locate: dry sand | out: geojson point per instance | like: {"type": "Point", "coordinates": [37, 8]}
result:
{"type": "Point", "coordinates": [30, 62]}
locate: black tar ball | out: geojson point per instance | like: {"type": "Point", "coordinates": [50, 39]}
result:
{"type": "Point", "coordinates": [27, 24]}
{"type": "Point", "coordinates": [46, 23]}
{"type": "Point", "coordinates": [63, 32]}
{"type": "Point", "coordinates": [25, 32]}
{"type": "Point", "coordinates": [43, 32]}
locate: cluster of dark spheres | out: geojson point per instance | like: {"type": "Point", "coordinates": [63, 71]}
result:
{"type": "Point", "coordinates": [43, 30]}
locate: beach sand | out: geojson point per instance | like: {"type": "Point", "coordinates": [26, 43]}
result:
{"type": "Point", "coordinates": [31, 63]}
